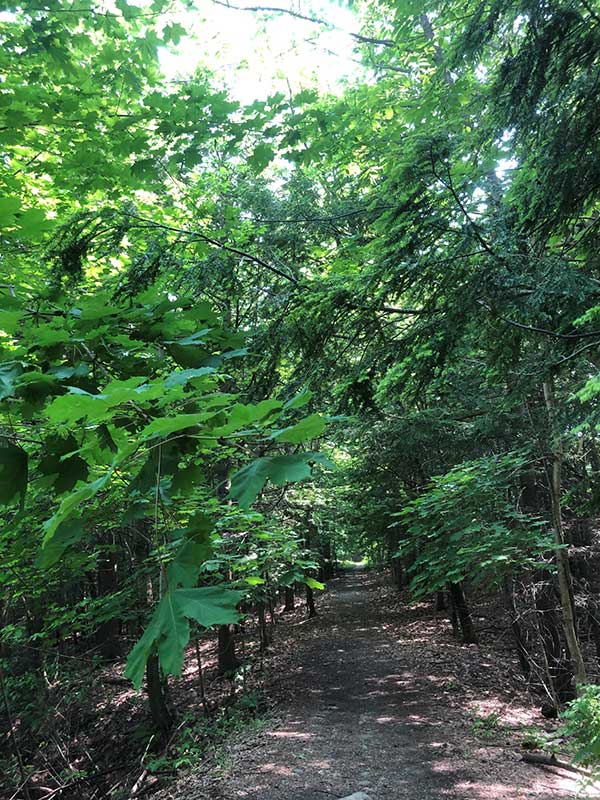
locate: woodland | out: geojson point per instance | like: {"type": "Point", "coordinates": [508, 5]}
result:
{"type": "Point", "coordinates": [244, 345]}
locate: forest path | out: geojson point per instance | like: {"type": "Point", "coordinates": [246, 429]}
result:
{"type": "Point", "coordinates": [356, 713]}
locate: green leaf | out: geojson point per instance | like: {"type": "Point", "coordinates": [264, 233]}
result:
{"type": "Point", "coordinates": [262, 155]}
{"type": "Point", "coordinates": [9, 373]}
{"type": "Point", "coordinates": [13, 472]}
{"type": "Point", "coordinates": [194, 550]}
{"type": "Point", "coordinates": [167, 425]}
{"type": "Point", "coordinates": [314, 584]}
{"type": "Point", "coordinates": [299, 400]}
{"type": "Point", "coordinates": [73, 501]}
{"type": "Point", "coordinates": [187, 479]}
{"type": "Point", "coordinates": [182, 376]}
{"type": "Point", "coordinates": [241, 416]}
{"type": "Point", "coordinates": [69, 409]}
{"type": "Point", "coordinates": [35, 387]}
{"type": "Point", "coordinates": [10, 321]}
{"type": "Point", "coordinates": [9, 206]}
{"type": "Point", "coordinates": [240, 352]}
{"type": "Point", "coordinates": [308, 428]}
{"type": "Point", "coordinates": [254, 580]}
{"type": "Point", "coordinates": [32, 222]}
{"type": "Point", "coordinates": [67, 534]}
{"type": "Point", "coordinates": [198, 338]}
{"type": "Point", "coordinates": [173, 32]}
{"type": "Point", "coordinates": [248, 482]}
{"type": "Point", "coordinates": [190, 356]}
{"type": "Point", "coordinates": [62, 464]}
{"type": "Point", "coordinates": [169, 630]}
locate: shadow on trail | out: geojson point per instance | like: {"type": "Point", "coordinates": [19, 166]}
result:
{"type": "Point", "coordinates": [361, 717]}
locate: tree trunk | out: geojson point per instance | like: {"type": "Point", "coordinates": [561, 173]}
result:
{"type": "Point", "coordinates": [327, 569]}
{"type": "Point", "coordinates": [594, 621]}
{"type": "Point", "coordinates": [271, 605]}
{"type": "Point", "coordinates": [557, 665]}
{"type": "Point", "coordinates": [453, 616]}
{"type": "Point", "coordinates": [565, 582]}
{"type": "Point", "coordinates": [397, 573]}
{"type": "Point", "coordinates": [290, 603]}
{"type": "Point", "coordinates": [161, 716]}
{"type": "Point", "coordinates": [262, 626]}
{"type": "Point", "coordinates": [522, 652]}
{"type": "Point", "coordinates": [228, 661]}
{"type": "Point", "coordinates": [203, 699]}
{"type": "Point", "coordinates": [459, 603]}
{"type": "Point", "coordinates": [440, 601]}
{"type": "Point", "coordinates": [310, 603]}
{"type": "Point", "coordinates": [107, 634]}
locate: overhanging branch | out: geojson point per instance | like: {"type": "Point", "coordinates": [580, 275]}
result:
{"type": "Point", "coordinates": [358, 37]}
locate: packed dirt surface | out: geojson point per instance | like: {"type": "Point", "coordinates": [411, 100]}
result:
{"type": "Point", "coordinates": [359, 708]}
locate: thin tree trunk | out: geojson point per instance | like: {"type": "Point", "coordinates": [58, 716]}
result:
{"type": "Point", "coordinates": [565, 582]}
{"type": "Point", "coordinates": [522, 652]}
{"type": "Point", "coordinates": [228, 661]}
{"type": "Point", "coordinates": [462, 610]}
{"type": "Point", "coordinates": [327, 569]}
{"type": "Point", "coordinates": [161, 716]}
{"type": "Point", "coordinates": [453, 616]}
{"type": "Point", "coordinates": [594, 621]}
{"type": "Point", "coordinates": [550, 642]}
{"type": "Point", "coordinates": [310, 602]}
{"type": "Point", "coordinates": [107, 634]}
{"type": "Point", "coordinates": [13, 739]}
{"type": "Point", "coordinates": [289, 599]}
{"type": "Point", "coordinates": [201, 679]}
{"type": "Point", "coordinates": [262, 626]}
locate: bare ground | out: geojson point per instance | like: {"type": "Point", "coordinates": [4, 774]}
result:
{"type": "Point", "coordinates": [369, 701]}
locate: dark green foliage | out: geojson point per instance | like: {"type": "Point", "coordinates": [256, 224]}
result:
{"type": "Point", "coordinates": [192, 288]}
{"type": "Point", "coordinates": [466, 524]}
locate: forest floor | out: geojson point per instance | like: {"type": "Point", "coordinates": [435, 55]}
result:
{"type": "Point", "coordinates": [384, 703]}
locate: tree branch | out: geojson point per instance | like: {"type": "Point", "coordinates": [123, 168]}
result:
{"type": "Point", "coordinates": [450, 186]}
{"type": "Point", "coordinates": [535, 329]}
{"type": "Point", "coordinates": [216, 243]}
{"type": "Point", "coordinates": [316, 20]}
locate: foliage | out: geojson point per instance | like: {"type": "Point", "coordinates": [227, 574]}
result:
{"type": "Point", "coordinates": [467, 525]}
{"type": "Point", "coordinates": [125, 399]}
{"type": "Point", "coordinates": [205, 301]}
{"type": "Point", "coordinates": [582, 724]}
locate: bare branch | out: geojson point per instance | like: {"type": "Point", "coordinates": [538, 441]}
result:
{"type": "Point", "coordinates": [358, 37]}
{"type": "Point", "coordinates": [216, 243]}
{"type": "Point", "coordinates": [535, 329]}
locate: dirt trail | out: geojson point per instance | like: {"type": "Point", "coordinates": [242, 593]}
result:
{"type": "Point", "coordinates": [357, 714]}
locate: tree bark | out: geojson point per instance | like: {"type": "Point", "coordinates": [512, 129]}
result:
{"type": "Point", "coordinates": [290, 600]}
{"type": "Point", "coordinates": [262, 626]}
{"type": "Point", "coordinates": [565, 582]}
{"type": "Point", "coordinates": [201, 678]}
{"type": "Point", "coordinates": [310, 602]}
{"type": "Point", "coordinates": [228, 661]}
{"type": "Point", "coordinates": [594, 621]}
{"type": "Point", "coordinates": [107, 634]}
{"type": "Point", "coordinates": [522, 652]}
{"type": "Point", "coordinates": [161, 716]}
{"type": "Point", "coordinates": [459, 603]}
{"type": "Point", "coordinates": [557, 663]}
{"type": "Point", "coordinates": [327, 569]}
{"type": "Point", "coordinates": [440, 601]}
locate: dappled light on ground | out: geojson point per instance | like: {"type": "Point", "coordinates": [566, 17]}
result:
{"type": "Point", "coordinates": [362, 709]}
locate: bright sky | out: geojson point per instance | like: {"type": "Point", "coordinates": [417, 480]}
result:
{"type": "Point", "coordinates": [256, 55]}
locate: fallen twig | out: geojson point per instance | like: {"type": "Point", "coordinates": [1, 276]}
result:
{"type": "Point", "coordinates": [540, 759]}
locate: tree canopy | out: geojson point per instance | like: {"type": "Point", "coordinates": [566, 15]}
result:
{"type": "Point", "coordinates": [239, 340]}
